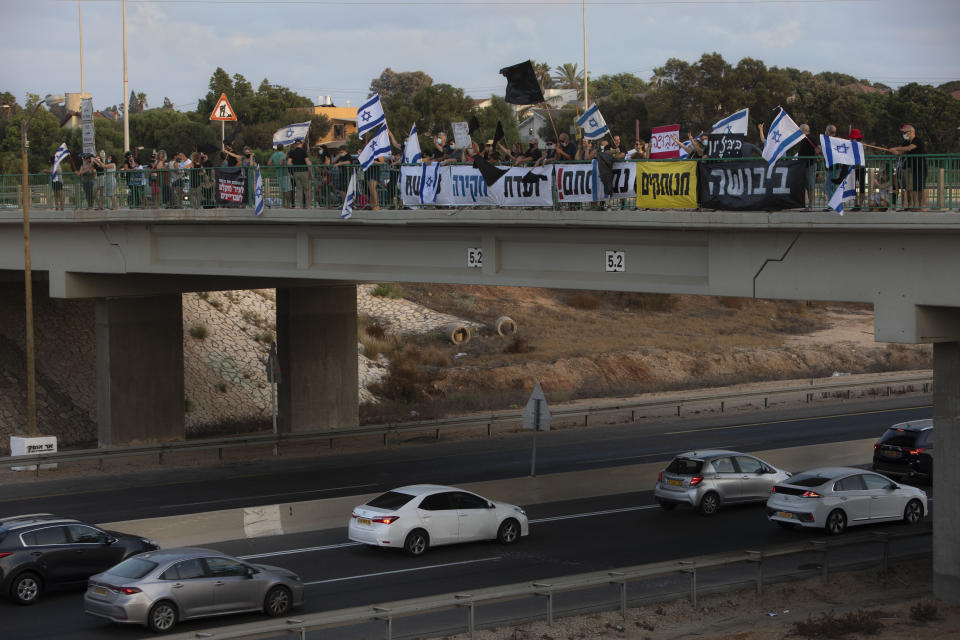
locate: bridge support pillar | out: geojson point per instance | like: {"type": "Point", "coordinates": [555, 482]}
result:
{"type": "Point", "coordinates": [140, 396]}
{"type": "Point", "coordinates": [946, 473]}
{"type": "Point", "coordinates": [317, 348]}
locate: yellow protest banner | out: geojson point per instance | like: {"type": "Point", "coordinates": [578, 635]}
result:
{"type": "Point", "coordinates": [667, 185]}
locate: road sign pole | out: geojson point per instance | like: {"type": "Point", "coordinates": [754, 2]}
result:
{"type": "Point", "coordinates": [536, 427]}
{"type": "Point", "coordinates": [222, 127]}
{"type": "Point", "coordinates": [273, 405]}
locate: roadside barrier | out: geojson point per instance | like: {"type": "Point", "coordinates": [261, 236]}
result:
{"type": "Point", "coordinates": [837, 387]}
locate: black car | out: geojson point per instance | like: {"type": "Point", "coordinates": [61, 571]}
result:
{"type": "Point", "coordinates": [906, 449]}
{"type": "Point", "coordinates": [43, 551]}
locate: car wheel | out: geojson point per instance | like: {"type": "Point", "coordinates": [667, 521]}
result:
{"type": "Point", "coordinates": [417, 543]}
{"type": "Point", "coordinates": [785, 525]}
{"type": "Point", "coordinates": [836, 522]}
{"type": "Point", "coordinates": [709, 503]}
{"type": "Point", "coordinates": [26, 588]}
{"type": "Point", "coordinates": [277, 602]}
{"type": "Point", "coordinates": [508, 532]}
{"type": "Point", "coordinates": [913, 513]}
{"type": "Point", "coordinates": [162, 617]}
{"type": "Point", "coordinates": [666, 505]}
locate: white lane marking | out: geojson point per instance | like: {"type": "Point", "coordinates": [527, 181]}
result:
{"type": "Point", "coordinates": [269, 495]}
{"type": "Point", "coordinates": [594, 513]}
{"type": "Point", "coordinates": [387, 573]}
{"type": "Point", "coordinates": [288, 552]}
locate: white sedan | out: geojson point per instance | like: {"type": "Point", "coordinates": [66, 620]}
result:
{"type": "Point", "coordinates": [415, 517]}
{"type": "Point", "coordinates": [834, 498]}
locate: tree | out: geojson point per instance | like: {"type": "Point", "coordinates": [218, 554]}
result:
{"type": "Point", "coordinates": [616, 88]}
{"type": "Point", "coordinates": [542, 69]}
{"type": "Point", "coordinates": [438, 105]}
{"type": "Point", "coordinates": [498, 111]}
{"type": "Point", "coordinates": [141, 102]}
{"type": "Point", "coordinates": [404, 84]}
{"type": "Point", "coordinates": [568, 77]}
{"type": "Point", "coordinates": [167, 103]}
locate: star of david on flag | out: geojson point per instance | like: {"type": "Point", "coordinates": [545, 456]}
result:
{"type": "Point", "coordinates": [784, 133]}
{"type": "Point", "coordinates": [257, 192]}
{"type": "Point", "coordinates": [370, 115]}
{"type": "Point", "coordinates": [736, 123]}
{"type": "Point", "coordinates": [842, 151]}
{"type": "Point", "coordinates": [846, 190]}
{"type": "Point", "coordinates": [429, 183]}
{"type": "Point", "coordinates": [291, 134]}
{"type": "Point", "coordinates": [351, 196]}
{"type": "Point", "coordinates": [593, 125]}
{"type": "Point", "coordinates": [378, 146]}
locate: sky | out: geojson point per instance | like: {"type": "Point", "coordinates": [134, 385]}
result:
{"type": "Point", "coordinates": [324, 47]}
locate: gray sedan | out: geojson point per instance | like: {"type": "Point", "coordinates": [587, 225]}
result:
{"type": "Point", "coordinates": [159, 588]}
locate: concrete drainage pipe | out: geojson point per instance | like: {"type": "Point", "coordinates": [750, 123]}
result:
{"type": "Point", "coordinates": [457, 333]}
{"type": "Point", "coordinates": [506, 326]}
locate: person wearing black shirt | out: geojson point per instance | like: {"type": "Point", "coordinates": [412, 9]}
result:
{"type": "Point", "coordinates": [567, 149]}
{"type": "Point", "coordinates": [532, 154]}
{"type": "Point", "coordinates": [917, 164]}
{"type": "Point", "coordinates": [298, 160]}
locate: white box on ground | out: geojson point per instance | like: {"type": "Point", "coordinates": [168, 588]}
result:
{"type": "Point", "coordinates": [20, 446]}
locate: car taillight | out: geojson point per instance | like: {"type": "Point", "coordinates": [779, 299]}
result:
{"type": "Point", "coordinates": [354, 515]}
{"type": "Point", "coordinates": [875, 446]}
{"type": "Point", "coordinates": [811, 494]}
{"type": "Point", "coordinates": [385, 519]}
{"type": "Point", "coordinates": [660, 477]}
{"type": "Point", "coordinates": [695, 480]}
{"type": "Point", "coordinates": [914, 452]}
{"type": "Point", "coordinates": [773, 489]}
{"type": "Point", "coordinates": [5, 554]}
{"type": "Point", "coordinates": [127, 591]}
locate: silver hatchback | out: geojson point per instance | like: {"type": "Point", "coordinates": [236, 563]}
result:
{"type": "Point", "coordinates": [159, 588]}
{"type": "Point", "coordinates": [707, 479]}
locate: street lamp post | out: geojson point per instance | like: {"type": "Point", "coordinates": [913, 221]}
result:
{"type": "Point", "coordinates": [27, 276]}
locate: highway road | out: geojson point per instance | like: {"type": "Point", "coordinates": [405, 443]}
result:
{"type": "Point", "coordinates": [567, 537]}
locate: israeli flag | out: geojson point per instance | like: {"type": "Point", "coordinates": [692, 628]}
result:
{"type": "Point", "coordinates": [684, 154]}
{"type": "Point", "coordinates": [737, 123]}
{"type": "Point", "coordinates": [370, 115]}
{"type": "Point", "coordinates": [257, 191]}
{"type": "Point", "coordinates": [429, 183]}
{"type": "Point", "coordinates": [784, 133]}
{"type": "Point", "coordinates": [378, 146]}
{"type": "Point", "coordinates": [291, 134]}
{"type": "Point", "coordinates": [347, 210]}
{"type": "Point", "coordinates": [411, 148]}
{"type": "Point", "coordinates": [846, 190]}
{"type": "Point", "coordinates": [842, 151]}
{"type": "Point", "coordinates": [58, 157]}
{"type": "Point", "coordinates": [593, 125]}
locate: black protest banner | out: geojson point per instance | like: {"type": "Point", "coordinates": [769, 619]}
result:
{"type": "Point", "coordinates": [750, 185]}
{"type": "Point", "coordinates": [231, 185]}
{"type": "Point", "coordinates": [725, 145]}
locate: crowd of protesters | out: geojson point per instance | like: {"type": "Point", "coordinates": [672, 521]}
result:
{"type": "Point", "coordinates": [301, 176]}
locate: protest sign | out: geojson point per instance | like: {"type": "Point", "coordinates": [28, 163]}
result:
{"type": "Point", "coordinates": [667, 185]}
{"type": "Point", "coordinates": [663, 142]}
{"type": "Point", "coordinates": [745, 185]}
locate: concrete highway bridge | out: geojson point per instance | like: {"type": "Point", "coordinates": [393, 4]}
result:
{"type": "Point", "coordinates": [135, 265]}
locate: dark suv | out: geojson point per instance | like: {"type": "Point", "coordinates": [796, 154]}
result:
{"type": "Point", "coordinates": [906, 449]}
{"type": "Point", "coordinates": [41, 551]}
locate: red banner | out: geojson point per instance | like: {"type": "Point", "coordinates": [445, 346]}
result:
{"type": "Point", "coordinates": [663, 142]}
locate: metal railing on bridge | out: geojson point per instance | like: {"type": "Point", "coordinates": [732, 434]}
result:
{"type": "Point", "coordinates": [883, 185]}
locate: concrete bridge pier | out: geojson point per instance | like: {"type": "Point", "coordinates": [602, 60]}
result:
{"type": "Point", "coordinates": [317, 349]}
{"type": "Point", "coordinates": [946, 471]}
{"type": "Point", "coordinates": [140, 394]}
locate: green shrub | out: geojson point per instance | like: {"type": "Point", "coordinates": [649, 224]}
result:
{"type": "Point", "coordinates": [388, 290]}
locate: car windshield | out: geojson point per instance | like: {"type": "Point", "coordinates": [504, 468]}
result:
{"type": "Point", "coordinates": [899, 438]}
{"type": "Point", "coordinates": [804, 480]}
{"type": "Point", "coordinates": [685, 466]}
{"type": "Point", "coordinates": [390, 500]}
{"type": "Point", "coordinates": [133, 568]}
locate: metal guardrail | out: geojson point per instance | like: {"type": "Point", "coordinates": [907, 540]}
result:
{"type": "Point", "coordinates": [809, 391]}
{"type": "Point", "coordinates": [547, 590]}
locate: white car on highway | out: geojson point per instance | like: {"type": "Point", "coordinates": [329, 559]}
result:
{"type": "Point", "coordinates": [416, 517]}
{"type": "Point", "coordinates": [834, 498]}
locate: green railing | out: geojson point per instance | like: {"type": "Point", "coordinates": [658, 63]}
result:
{"type": "Point", "coordinates": [885, 184]}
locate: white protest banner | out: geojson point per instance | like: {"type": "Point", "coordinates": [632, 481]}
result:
{"type": "Point", "coordinates": [624, 181]}
{"type": "Point", "coordinates": [461, 134]}
{"type": "Point", "coordinates": [524, 187]}
{"type": "Point", "coordinates": [663, 142]}
{"type": "Point", "coordinates": [463, 186]}
{"type": "Point", "coordinates": [576, 182]}
{"type": "Point", "coordinates": [86, 124]}
{"type": "Point", "coordinates": [410, 185]}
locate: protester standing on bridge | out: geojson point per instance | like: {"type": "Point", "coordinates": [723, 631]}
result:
{"type": "Point", "coordinates": [56, 183]}
{"type": "Point", "coordinates": [110, 181]}
{"type": "Point", "coordinates": [831, 175]}
{"type": "Point", "coordinates": [133, 173]}
{"type": "Point", "coordinates": [861, 174]}
{"type": "Point", "coordinates": [916, 164]}
{"type": "Point", "coordinates": [278, 159]}
{"type": "Point", "coordinates": [87, 174]}
{"type": "Point", "coordinates": [299, 163]}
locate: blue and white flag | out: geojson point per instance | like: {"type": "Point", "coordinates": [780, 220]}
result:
{"type": "Point", "coordinates": [429, 183]}
{"type": "Point", "coordinates": [370, 115]}
{"type": "Point", "coordinates": [784, 133]}
{"type": "Point", "coordinates": [593, 125]}
{"type": "Point", "coordinates": [378, 146]}
{"type": "Point", "coordinates": [842, 151]}
{"type": "Point", "coordinates": [58, 157]}
{"type": "Point", "coordinates": [846, 190]}
{"type": "Point", "coordinates": [291, 134]}
{"type": "Point", "coordinates": [257, 191]}
{"type": "Point", "coordinates": [737, 123]}
{"type": "Point", "coordinates": [411, 148]}
{"type": "Point", "coordinates": [351, 196]}
{"type": "Point", "coordinates": [684, 154]}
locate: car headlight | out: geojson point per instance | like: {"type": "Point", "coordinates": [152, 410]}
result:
{"type": "Point", "coordinates": [149, 541]}
{"type": "Point", "coordinates": [522, 512]}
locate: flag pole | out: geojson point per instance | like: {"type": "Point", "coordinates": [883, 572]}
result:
{"type": "Point", "coordinates": [586, 86]}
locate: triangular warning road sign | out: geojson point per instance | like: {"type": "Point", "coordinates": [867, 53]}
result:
{"type": "Point", "coordinates": [223, 110]}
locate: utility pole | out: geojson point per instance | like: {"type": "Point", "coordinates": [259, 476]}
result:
{"type": "Point", "coordinates": [586, 90]}
{"type": "Point", "coordinates": [126, 88]}
{"type": "Point", "coordinates": [80, 24]}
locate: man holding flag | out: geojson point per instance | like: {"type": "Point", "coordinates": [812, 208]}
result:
{"type": "Point", "coordinates": [56, 175]}
{"type": "Point", "coordinates": [411, 149]}
{"type": "Point", "coordinates": [377, 148]}
{"type": "Point", "coordinates": [842, 156]}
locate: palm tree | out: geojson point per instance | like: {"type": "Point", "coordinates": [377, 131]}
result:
{"type": "Point", "coordinates": [142, 101]}
{"type": "Point", "coordinates": [568, 77]}
{"type": "Point", "coordinates": [542, 69]}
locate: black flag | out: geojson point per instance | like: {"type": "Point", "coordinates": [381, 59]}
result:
{"type": "Point", "coordinates": [605, 171]}
{"type": "Point", "coordinates": [522, 85]}
{"type": "Point", "coordinates": [498, 134]}
{"type": "Point", "coordinates": [532, 178]}
{"type": "Point", "coordinates": [474, 125]}
{"type": "Point", "coordinates": [489, 172]}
